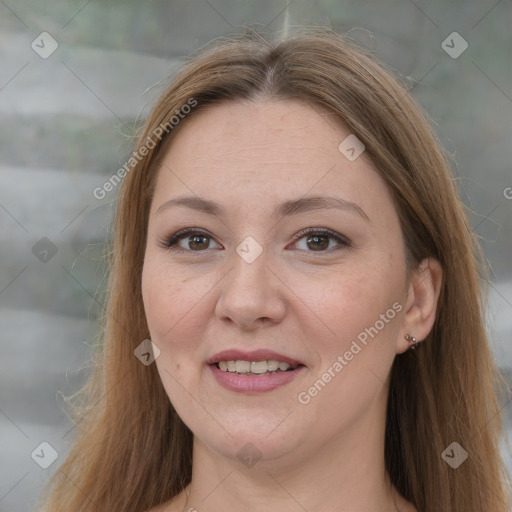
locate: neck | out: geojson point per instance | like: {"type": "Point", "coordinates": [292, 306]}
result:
{"type": "Point", "coordinates": [345, 473]}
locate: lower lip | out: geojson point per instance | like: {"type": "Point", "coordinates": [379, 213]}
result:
{"type": "Point", "coordinates": [254, 383]}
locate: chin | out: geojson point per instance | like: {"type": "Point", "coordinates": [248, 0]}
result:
{"type": "Point", "coordinates": [266, 443]}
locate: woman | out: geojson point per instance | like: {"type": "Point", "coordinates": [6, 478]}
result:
{"type": "Point", "coordinates": [288, 231]}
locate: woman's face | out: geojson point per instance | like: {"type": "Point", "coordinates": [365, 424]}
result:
{"type": "Point", "coordinates": [295, 255]}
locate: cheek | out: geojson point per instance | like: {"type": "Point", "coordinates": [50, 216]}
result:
{"type": "Point", "coordinates": [174, 305]}
{"type": "Point", "coordinates": [358, 347]}
{"type": "Point", "coordinates": [160, 293]}
{"type": "Point", "coordinates": [350, 307]}
{"type": "Point", "coordinates": [345, 298]}
{"type": "Point", "coordinates": [170, 327]}
{"type": "Point", "coordinates": [153, 296]}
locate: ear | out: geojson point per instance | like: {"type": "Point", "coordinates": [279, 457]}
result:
{"type": "Point", "coordinates": [420, 310]}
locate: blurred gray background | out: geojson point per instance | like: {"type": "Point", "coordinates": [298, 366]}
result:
{"type": "Point", "coordinates": [76, 77]}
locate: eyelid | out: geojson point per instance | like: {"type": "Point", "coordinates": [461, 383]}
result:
{"type": "Point", "coordinates": [341, 239]}
{"type": "Point", "coordinates": [170, 242]}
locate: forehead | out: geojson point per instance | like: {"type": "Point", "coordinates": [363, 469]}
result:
{"type": "Point", "coordinates": [258, 131]}
{"type": "Point", "coordinates": [263, 151]}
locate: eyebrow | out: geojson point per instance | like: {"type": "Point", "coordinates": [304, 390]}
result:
{"type": "Point", "coordinates": [291, 207]}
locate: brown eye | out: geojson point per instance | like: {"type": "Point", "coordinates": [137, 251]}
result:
{"type": "Point", "coordinates": [320, 240]}
{"type": "Point", "coordinates": [312, 240]}
{"type": "Point", "coordinates": [187, 240]}
{"type": "Point", "coordinates": [198, 242]}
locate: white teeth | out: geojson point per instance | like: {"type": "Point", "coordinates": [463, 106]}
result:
{"type": "Point", "coordinates": [259, 367]}
{"type": "Point", "coordinates": [253, 367]}
{"type": "Point", "coordinates": [272, 365]}
{"type": "Point", "coordinates": [243, 366]}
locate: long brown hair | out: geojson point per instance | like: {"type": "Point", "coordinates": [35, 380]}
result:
{"type": "Point", "coordinates": [132, 451]}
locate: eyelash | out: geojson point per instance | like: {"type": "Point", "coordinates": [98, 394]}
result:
{"type": "Point", "coordinates": [170, 242]}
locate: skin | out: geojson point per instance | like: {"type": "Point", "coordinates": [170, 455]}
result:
{"type": "Point", "coordinates": [307, 300]}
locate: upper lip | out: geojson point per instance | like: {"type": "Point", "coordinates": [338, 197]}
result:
{"type": "Point", "coordinates": [253, 355]}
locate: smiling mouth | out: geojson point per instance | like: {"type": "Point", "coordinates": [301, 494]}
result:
{"type": "Point", "coordinates": [255, 368]}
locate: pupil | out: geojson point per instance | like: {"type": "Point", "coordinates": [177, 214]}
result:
{"type": "Point", "coordinates": [316, 239]}
{"type": "Point", "coordinates": [194, 239]}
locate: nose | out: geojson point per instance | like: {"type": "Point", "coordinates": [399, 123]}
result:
{"type": "Point", "coordinates": [251, 296]}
